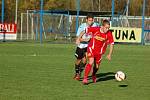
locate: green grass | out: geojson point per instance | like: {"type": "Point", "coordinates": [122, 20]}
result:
{"type": "Point", "coordinates": [32, 71]}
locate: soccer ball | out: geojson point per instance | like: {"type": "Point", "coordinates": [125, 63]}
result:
{"type": "Point", "coordinates": [120, 76]}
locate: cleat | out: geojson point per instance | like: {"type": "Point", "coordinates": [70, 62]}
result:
{"type": "Point", "coordinates": [85, 81]}
{"type": "Point", "coordinates": [94, 79]}
{"type": "Point", "coordinates": [77, 77]}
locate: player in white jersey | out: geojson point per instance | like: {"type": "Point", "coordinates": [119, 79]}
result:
{"type": "Point", "coordinates": [81, 49]}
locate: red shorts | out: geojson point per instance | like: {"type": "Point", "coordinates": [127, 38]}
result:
{"type": "Point", "coordinates": [94, 54]}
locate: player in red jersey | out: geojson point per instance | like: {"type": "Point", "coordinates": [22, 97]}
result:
{"type": "Point", "coordinates": [101, 37]}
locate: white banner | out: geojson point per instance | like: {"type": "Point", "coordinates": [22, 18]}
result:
{"type": "Point", "coordinates": [8, 36]}
{"type": "Point", "coordinates": [8, 31]}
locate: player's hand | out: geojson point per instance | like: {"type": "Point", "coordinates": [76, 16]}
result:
{"type": "Point", "coordinates": [108, 57]}
{"type": "Point", "coordinates": [77, 41]}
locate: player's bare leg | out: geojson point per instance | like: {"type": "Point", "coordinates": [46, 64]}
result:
{"type": "Point", "coordinates": [95, 69]}
{"type": "Point", "coordinates": [87, 70]}
{"type": "Point", "coordinates": [77, 69]}
{"type": "Point", "coordinates": [82, 65]}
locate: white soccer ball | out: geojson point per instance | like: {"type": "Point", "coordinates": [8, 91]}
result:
{"type": "Point", "coordinates": [120, 76]}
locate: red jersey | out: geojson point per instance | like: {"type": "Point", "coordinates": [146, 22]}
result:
{"type": "Point", "coordinates": [99, 41]}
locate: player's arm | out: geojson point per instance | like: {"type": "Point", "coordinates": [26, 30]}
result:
{"type": "Point", "coordinates": [78, 39]}
{"type": "Point", "coordinates": [110, 52]}
{"type": "Point", "coordinates": [88, 30]}
{"type": "Point", "coordinates": [111, 42]}
{"type": "Point", "coordinates": [81, 34]}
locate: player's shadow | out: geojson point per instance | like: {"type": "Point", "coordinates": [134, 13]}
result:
{"type": "Point", "coordinates": [104, 77]}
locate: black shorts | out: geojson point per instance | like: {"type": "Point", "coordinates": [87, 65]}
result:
{"type": "Point", "coordinates": [80, 52]}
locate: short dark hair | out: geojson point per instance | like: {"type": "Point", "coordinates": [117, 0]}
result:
{"type": "Point", "coordinates": [89, 15]}
{"type": "Point", "coordinates": [105, 21]}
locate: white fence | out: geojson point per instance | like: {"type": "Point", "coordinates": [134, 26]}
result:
{"type": "Point", "coordinates": [57, 26]}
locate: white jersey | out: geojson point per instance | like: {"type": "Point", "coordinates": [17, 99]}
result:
{"type": "Point", "coordinates": [81, 28]}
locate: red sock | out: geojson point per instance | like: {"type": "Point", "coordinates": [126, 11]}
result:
{"type": "Point", "coordinates": [87, 70]}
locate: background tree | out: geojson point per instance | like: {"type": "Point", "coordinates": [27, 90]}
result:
{"type": "Point", "coordinates": [135, 6]}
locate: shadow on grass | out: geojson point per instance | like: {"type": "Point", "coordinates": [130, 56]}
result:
{"type": "Point", "coordinates": [105, 76]}
{"type": "Point", "coordinates": [124, 85]}
{"type": "Point", "coordinates": [102, 77]}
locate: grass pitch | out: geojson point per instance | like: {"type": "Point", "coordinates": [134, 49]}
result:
{"type": "Point", "coordinates": [32, 71]}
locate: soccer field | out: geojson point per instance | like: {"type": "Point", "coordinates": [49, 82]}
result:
{"type": "Point", "coordinates": [32, 71]}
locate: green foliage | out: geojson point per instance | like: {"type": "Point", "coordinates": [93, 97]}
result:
{"type": "Point", "coordinates": [54, 4]}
